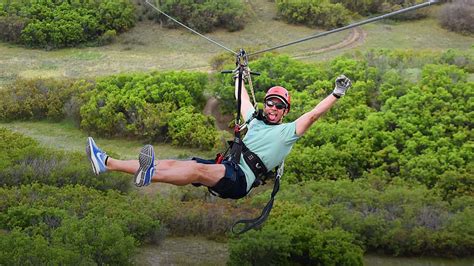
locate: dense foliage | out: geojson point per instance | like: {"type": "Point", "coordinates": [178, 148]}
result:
{"type": "Point", "coordinates": [399, 146]}
{"type": "Point", "coordinates": [73, 225]}
{"type": "Point", "coordinates": [370, 214]}
{"type": "Point", "coordinates": [304, 235]}
{"type": "Point", "coordinates": [204, 16]}
{"type": "Point", "coordinates": [40, 99]}
{"type": "Point", "coordinates": [313, 13]}
{"type": "Point", "coordinates": [388, 169]}
{"type": "Point", "coordinates": [55, 24]}
{"type": "Point", "coordinates": [458, 16]}
{"type": "Point", "coordinates": [330, 14]}
{"type": "Point", "coordinates": [42, 224]}
{"type": "Point", "coordinates": [155, 106]}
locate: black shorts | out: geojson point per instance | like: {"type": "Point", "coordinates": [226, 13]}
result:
{"type": "Point", "coordinates": [233, 185]}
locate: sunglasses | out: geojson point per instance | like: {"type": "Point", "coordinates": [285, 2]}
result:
{"type": "Point", "coordinates": [278, 106]}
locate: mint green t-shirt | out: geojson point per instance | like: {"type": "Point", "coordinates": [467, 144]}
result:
{"type": "Point", "coordinates": [271, 143]}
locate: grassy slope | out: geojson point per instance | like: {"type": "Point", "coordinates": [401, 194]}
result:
{"type": "Point", "coordinates": [150, 47]}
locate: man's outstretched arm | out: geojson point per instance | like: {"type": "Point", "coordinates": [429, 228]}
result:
{"type": "Point", "coordinates": [304, 122]}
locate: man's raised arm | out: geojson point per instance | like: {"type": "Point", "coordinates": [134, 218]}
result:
{"type": "Point", "coordinates": [304, 122]}
{"type": "Point", "coordinates": [246, 104]}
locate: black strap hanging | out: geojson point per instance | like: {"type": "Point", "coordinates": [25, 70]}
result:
{"type": "Point", "coordinates": [253, 223]}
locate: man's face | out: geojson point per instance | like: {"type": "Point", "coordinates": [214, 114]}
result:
{"type": "Point", "coordinates": [274, 110]}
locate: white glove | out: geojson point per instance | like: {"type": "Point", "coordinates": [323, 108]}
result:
{"type": "Point", "coordinates": [343, 83]}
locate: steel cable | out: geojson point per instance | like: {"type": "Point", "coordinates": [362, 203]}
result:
{"type": "Point", "coordinates": [190, 29]}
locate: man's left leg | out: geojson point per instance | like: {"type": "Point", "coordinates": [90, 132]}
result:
{"type": "Point", "coordinates": [180, 173]}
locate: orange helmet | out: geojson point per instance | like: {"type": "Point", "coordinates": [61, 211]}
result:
{"type": "Point", "coordinates": [280, 93]}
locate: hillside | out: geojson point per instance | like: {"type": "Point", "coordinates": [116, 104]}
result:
{"type": "Point", "coordinates": [148, 46]}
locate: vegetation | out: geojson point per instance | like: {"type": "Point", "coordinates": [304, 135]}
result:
{"type": "Point", "coordinates": [23, 162]}
{"type": "Point", "coordinates": [332, 14]}
{"type": "Point", "coordinates": [296, 234]}
{"type": "Point", "coordinates": [402, 137]}
{"type": "Point", "coordinates": [370, 7]}
{"type": "Point", "coordinates": [155, 106]}
{"type": "Point", "coordinates": [150, 106]}
{"type": "Point", "coordinates": [458, 16]}
{"type": "Point", "coordinates": [313, 13]}
{"type": "Point", "coordinates": [203, 16]}
{"type": "Point", "coordinates": [388, 170]}
{"type": "Point", "coordinates": [56, 24]}
{"type": "Point", "coordinates": [396, 217]}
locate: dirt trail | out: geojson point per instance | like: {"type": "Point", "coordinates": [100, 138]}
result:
{"type": "Point", "coordinates": [356, 37]}
{"type": "Point", "coordinates": [212, 109]}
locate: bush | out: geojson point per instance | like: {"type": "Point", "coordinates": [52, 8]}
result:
{"type": "Point", "coordinates": [144, 105]}
{"type": "Point", "coordinates": [37, 99]}
{"type": "Point", "coordinates": [107, 38]}
{"type": "Point", "coordinates": [56, 24]}
{"type": "Point", "coordinates": [296, 235]}
{"type": "Point", "coordinates": [11, 28]}
{"type": "Point", "coordinates": [394, 5]}
{"type": "Point", "coordinates": [204, 16]}
{"type": "Point", "coordinates": [398, 217]}
{"type": "Point", "coordinates": [313, 13]}
{"type": "Point", "coordinates": [458, 16]}
{"type": "Point", "coordinates": [74, 225]}
{"type": "Point", "coordinates": [188, 128]}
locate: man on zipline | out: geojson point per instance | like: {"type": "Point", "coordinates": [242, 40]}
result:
{"type": "Point", "coordinates": [267, 137]}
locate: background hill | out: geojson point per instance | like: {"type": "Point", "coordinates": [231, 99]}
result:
{"type": "Point", "coordinates": [149, 46]}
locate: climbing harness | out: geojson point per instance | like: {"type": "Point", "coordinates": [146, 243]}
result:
{"type": "Point", "coordinates": [236, 147]}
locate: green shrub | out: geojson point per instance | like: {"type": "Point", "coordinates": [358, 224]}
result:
{"type": "Point", "coordinates": [99, 239]}
{"type": "Point", "coordinates": [37, 99]}
{"type": "Point", "coordinates": [108, 37]}
{"type": "Point", "coordinates": [398, 217]}
{"type": "Point", "coordinates": [204, 16]}
{"type": "Point", "coordinates": [15, 147]}
{"type": "Point", "coordinates": [313, 13]}
{"type": "Point", "coordinates": [144, 105]}
{"type": "Point", "coordinates": [75, 225]}
{"type": "Point", "coordinates": [370, 7]}
{"type": "Point", "coordinates": [296, 234]}
{"type": "Point", "coordinates": [22, 248]}
{"type": "Point", "coordinates": [188, 128]}
{"type": "Point", "coordinates": [394, 5]}
{"type": "Point", "coordinates": [11, 28]}
{"type": "Point", "coordinates": [56, 24]}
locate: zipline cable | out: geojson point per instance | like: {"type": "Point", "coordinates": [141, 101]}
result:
{"type": "Point", "coordinates": [190, 29]}
{"type": "Point", "coordinates": [348, 26]}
